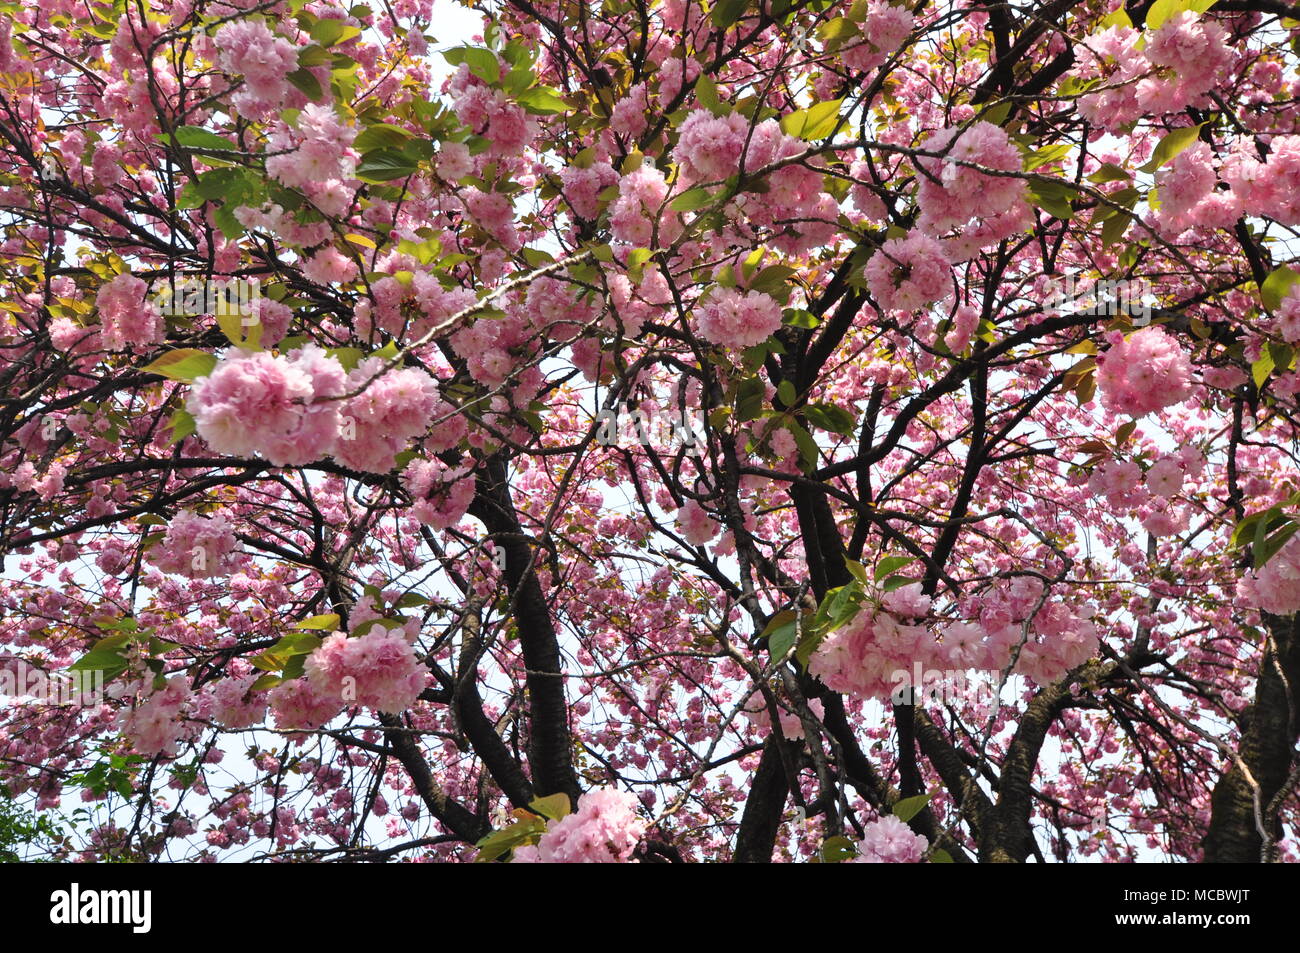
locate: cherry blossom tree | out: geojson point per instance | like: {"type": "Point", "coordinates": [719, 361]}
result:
{"type": "Point", "coordinates": [651, 431]}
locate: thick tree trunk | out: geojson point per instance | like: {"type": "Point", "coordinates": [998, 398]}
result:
{"type": "Point", "coordinates": [763, 809]}
{"type": "Point", "coordinates": [1268, 737]}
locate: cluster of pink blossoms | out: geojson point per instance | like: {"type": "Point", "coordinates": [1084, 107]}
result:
{"type": "Point", "coordinates": [196, 546]}
{"type": "Point", "coordinates": [696, 525]}
{"type": "Point", "coordinates": [316, 157]}
{"type": "Point", "coordinates": [795, 206]}
{"type": "Point", "coordinates": [264, 404]}
{"type": "Point", "coordinates": [381, 421]}
{"type": "Point", "coordinates": [1144, 372]}
{"type": "Point", "coordinates": [638, 215]}
{"type": "Point", "coordinates": [1188, 197]}
{"type": "Point", "coordinates": [378, 670]}
{"type": "Point", "coordinates": [155, 724]}
{"type": "Point", "coordinates": [1275, 586]}
{"type": "Point", "coordinates": [1288, 316]}
{"type": "Point", "coordinates": [888, 639]}
{"type": "Point", "coordinates": [1191, 195]}
{"type": "Point", "coordinates": [739, 319]}
{"type": "Point", "coordinates": [605, 829]}
{"type": "Point", "coordinates": [297, 704]}
{"type": "Point", "coordinates": [860, 657]}
{"type": "Point", "coordinates": [952, 194]}
{"type": "Point", "coordinates": [582, 187]}
{"type": "Point", "coordinates": [441, 493]}
{"type": "Point", "coordinates": [1125, 487]}
{"type": "Point", "coordinates": [1268, 188]}
{"type": "Point", "coordinates": [556, 309]}
{"type": "Point", "coordinates": [710, 147]}
{"type": "Point", "coordinates": [883, 32]}
{"type": "Point", "coordinates": [127, 318]}
{"type": "Point", "coordinates": [233, 704]}
{"type": "Point", "coordinates": [490, 113]}
{"type": "Point", "coordinates": [264, 59]}
{"type": "Point", "coordinates": [909, 273]}
{"type": "Point", "coordinates": [889, 840]}
{"type": "Point", "coordinates": [282, 408]}
{"type": "Point", "coordinates": [1181, 61]}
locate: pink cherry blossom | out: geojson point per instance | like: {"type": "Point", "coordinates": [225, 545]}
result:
{"type": "Point", "coordinates": [1143, 373]}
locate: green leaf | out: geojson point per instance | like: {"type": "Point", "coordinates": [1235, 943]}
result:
{"type": "Point", "coordinates": [1172, 144]}
{"type": "Point", "coordinates": [782, 639]}
{"type": "Point", "coordinates": [799, 318]}
{"type": "Point", "coordinates": [1267, 548]}
{"type": "Point", "coordinates": [381, 135]}
{"type": "Point", "coordinates": [100, 660]}
{"type": "Point", "coordinates": [889, 565]}
{"type": "Point", "coordinates": [636, 261]}
{"type": "Point", "coordinates": [1113, 229]}
{"type": "Point", "coordinates": [998, 113]}
{"type": "Point", "coordinates": [834, 850]}
{"type": "Point", "coordinates": [189, 197]}
{"type": "Point", "coordinates": [1047, 155]}
{"type": "Point", "coordinates": [349, 357]}
{"type": "Point", "coordinates": [1053, 198]}
{"type": "Point", "coordinates": [194, 137]}
{"type": "Point", "coordinates": [840, 28]}
{"type": "Point", "coordinates": [896, 582]}
{"type": "Point", "coordinates": [181, 425]}
{"type": "Point", "coordinates": [329, 621]}
{"type": "Point", "coordinates": [1261, 369]}
{"type": "Point", "coordinates": [726, 13]}
{"type": "Point", "coordinates": [385, 165]}
{"type": "Point", "coordinates": [706, 93]}
{"type": "Point", "coordinates": [482, 63]}
{"type": "Point", "coordinates": [305, 81]}
{"type": "Point", "coordinates": [183, 364]}
{"type": "Point", "coordinates": [224, 217]}
{"type": "Point", "coordinates": [553, 806]}
{"type": "Point", "coordinates": [831, 418]}
{"type": "Point", "coordinates": [1119, 18]}
{"type": "Point", "coordinates": [785, 393]}
{"type": "Point", "coordinates": [233, 327]}
{"type": "Point", "coordinates": [1276, 286]}
{"type": "Point", "coordinates": [517, 80]}
{"type": "Point", "coordinates": [807, 445]}
{"type": "Point", "coordinates": [691, 200]}
{"type": "Point", "coordinates": [543, 101]}
{"type": "Point", "coordinates": [222, 183]}
{"type": "Point", "coordinates": [265, 682]}
{"type": "Point", "coordinates": [816, 122]}
{"type": "Point", "coordinates": [909, 807]}
{"type": "Point", "coordinates": [326, 32]}
{"type": "Point", "coordinates": [940, 856]}
{"type": "Point", "coordinates": [772, 280]}
{"type": "Point", "coordinates": [749, 399]}
{"type": "Point", "coordinates": [295, 645]}
{"type": "Point", "coordinates": [1162, 10]}
{"type": "Point", "coordinates": [1108, 172]}
{"type": "Point", "coordinates": [499, 843]}
{"type": "Point", "coordinates": [314, 55]}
